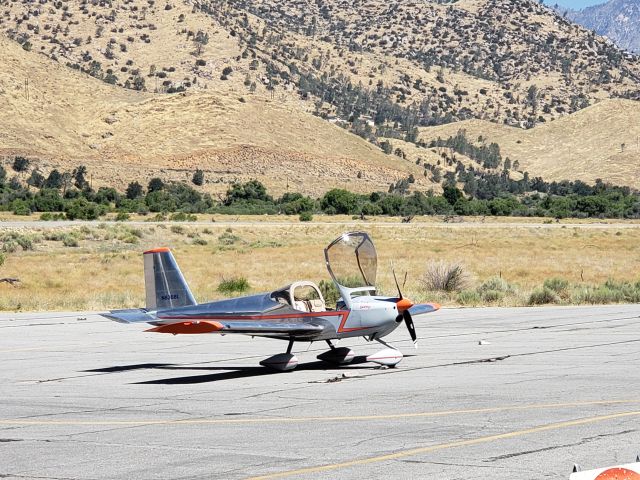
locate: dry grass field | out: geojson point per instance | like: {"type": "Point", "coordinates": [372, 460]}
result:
{"type": "Point", "coordinates": [99, 266]}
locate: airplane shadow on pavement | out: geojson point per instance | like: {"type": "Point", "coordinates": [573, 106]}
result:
{"type": "Point", "coordinates": [229, 372]}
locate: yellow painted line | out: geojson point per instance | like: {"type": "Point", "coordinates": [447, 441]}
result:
{"type": "Point", "coordinates": [24, 349]}
{"type": "Point", "coordinates": [392, 416]}
{"type": "Point", "coordinates": [444, 446]}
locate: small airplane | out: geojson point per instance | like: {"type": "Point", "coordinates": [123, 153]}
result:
{"type": "Point", "coordinates": [296, 312]}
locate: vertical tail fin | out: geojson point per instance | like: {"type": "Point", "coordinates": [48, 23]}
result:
{"type": "Point", "coordinates": [165, 286]}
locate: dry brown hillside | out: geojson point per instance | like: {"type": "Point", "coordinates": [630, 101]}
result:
{"type": "Point", "coordinates": [513, 61]}
{"type": "Point", "coordinates": [62, 118]}
{"type": "Point", "coordinates": [601, 141]}
{"type": "Point", "coordinates": [230, 86]}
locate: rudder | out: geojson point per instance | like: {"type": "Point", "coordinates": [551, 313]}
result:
{"type": "Point", "coordinates": [164, 284]}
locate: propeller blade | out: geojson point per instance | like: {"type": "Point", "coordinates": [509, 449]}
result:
{"type": "Point", "coordinates": [393, 270]}
{"type": "Point", "coordinates": [422, 308]}
{"type": "Point", "coordinates": [411, 327]}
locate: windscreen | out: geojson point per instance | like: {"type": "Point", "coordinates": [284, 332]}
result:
{"type": "Point", "coordinates": [352, 260]}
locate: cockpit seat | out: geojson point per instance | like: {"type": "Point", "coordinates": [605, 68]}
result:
{"type": "Point", "coordinates": [304, 296]}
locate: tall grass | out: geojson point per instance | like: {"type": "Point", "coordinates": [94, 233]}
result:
{"type": "Point", "coordinates": [444, 277]}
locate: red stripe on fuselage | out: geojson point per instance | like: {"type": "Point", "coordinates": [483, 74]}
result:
{"type": "Point", "coordinates": [251, 318]}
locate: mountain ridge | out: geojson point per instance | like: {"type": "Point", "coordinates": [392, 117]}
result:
{"type": "Point", "coordinates": [618, 20]}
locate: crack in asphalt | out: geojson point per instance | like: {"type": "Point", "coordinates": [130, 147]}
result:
{"type": "Point", "coordinates": [499, 358]}
{"type": "Point", "coordinates": [556, 447]}
{"type": "Point", "coordinates": [451, 464]}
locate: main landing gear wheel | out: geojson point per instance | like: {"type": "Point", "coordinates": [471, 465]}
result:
{"type": "Point", "coordinates": [337, 356]}
{"type": "Point", "coordinates": [282, 362]}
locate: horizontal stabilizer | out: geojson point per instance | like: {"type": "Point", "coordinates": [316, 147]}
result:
{"type": "Point", "coordinates": [188, 327]}
{"type": "Point", "coordinates": [422, 308]}
{"type": "Point", "coordinates": [132, 315]}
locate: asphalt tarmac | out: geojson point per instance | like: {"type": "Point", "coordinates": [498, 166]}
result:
{"type": "Point", "coordinates": [491, 393]}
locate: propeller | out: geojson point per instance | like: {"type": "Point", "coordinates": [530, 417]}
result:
{"type": "Point", "coordinates": [404, 304]}
{"type": "Point", "coordinates": [411, 327]}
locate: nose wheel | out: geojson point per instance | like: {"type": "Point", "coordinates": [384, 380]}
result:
{"type": "Point", "coordinates": [388, 357]}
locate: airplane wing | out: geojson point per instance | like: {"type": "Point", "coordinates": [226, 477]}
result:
{"type": "Point", "coordinates": [279, 322]}
{"type": "Point", "coordinates": [258, 327]}
{"type": "Point", "coordinates": [422, 308]}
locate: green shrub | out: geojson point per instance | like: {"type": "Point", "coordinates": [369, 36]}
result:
{"type": "Point", "coordinates": [496, 284]}
{"type": "Point", "coordinates": [20, 207]}
{"type": "Point", "coordinates": [543, 296]}
{"type": "Point", "coordinates": [200, 241]}
{"type": "Point", "coordinates": [158, 217]}
{"type": "Point", "coordinates": [233, 285]}
{"type": "Point", "coordinates": [609, 292]}
{"type": "Point", "coordinates": [69, 240]}
{"type": "Point", "coordinates": [122, 217]}
{"type": "Point", "coordinates": [468, 297]}
{"type": "Point", "coordinates": [9, 246]}
{"type": "Point", "coordinates": [558, 285]}
{"type": "Point", "coordinates": [228, 238]}
{"type": "Point", "coordinates": [183, 217]}
{"type": "Point", "coordinates": [25, 242]}
{"type": "Point", "coordinates": [177, 229]}
{"type": "Point", "coordinates": [492, 295]}
{"type": "Point", "coordinates": [306, 217]}
{"type": "Point", "coordinates": [329, 292]}
{"type": "Point", "coordinates": [132, 239]}
{"type": "Point", "coordinates": [82, 209]}
{"type": "Point", "coordinates": [3, 258]}
{"type": "Point", "coordinates": [48, 216]}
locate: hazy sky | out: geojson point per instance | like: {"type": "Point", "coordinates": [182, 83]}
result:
{"type": "Point", "coordinates": [574, 4]}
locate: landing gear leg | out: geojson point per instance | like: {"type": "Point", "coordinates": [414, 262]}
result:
{"type": "Point", "coordinates": [282, 362]}
{"type": "Point", "coordinates": [379, 340]}
{"type": "Point", "coordinates": [388, 357]}
{"type": "Point", "coordinates": [336, 356]}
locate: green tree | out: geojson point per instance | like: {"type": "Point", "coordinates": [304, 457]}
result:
{"type": "Point", "coordinates": [155, 185]}
{"type": "Point", "coordinates": [20, 207]}
{"type": "Point", "coordinates": [201, 39]}
{"type": "Point", "coordinates": [82, 209]}
{"type": "Point", "coordinates": [250, 191]}
{"type": "Point", "coordinates": [452, 194]}
{"type": "Point", "coordinates": [36, 179]}
{"type": "Point", "coordinates": [48, 200]}
{"type": "Point", "coordinates": [79, 177]}
{"type": "Point", "coordinates": [198, 177]}
{"type": "Point", "coordinates": [54, 180]}
{"type": "Point", "coordinates": [20, 164]}
{"type": "Point", "coordinates": [134, 190]}
{"type": "Point", "coordinates": [339, 201]}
